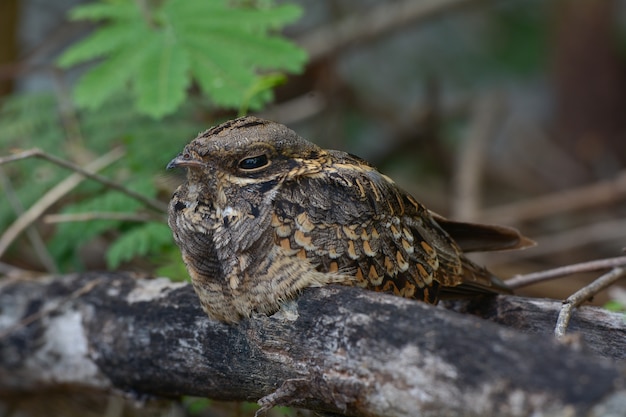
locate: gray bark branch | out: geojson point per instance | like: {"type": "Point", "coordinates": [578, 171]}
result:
{"type": "Point", "coordinates": [334, 349]}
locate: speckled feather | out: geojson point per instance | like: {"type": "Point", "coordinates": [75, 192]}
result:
{"type": "Point", "coordinates": [265, 213]}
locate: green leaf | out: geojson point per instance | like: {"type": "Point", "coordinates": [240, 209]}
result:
{"type": "Point", "coordinates": [222, 47]}
{"type": "Point", "coordinates": [614, 305]}
{"type": "Point", "coordinates": [111, 75]}
{"type": "Point", "coordinates": [103, 41]}
{"type": "Point", "coordinates": [209, 15]}
{"type": "Point", "coordinates": [139, 241]}
{"type": "Point", "coordinates": [264, 83]}
{"type": "Point", "coordinates": [196, 405]}
{"type": "Point", "coordinates": [219, 74]}
{"type": "Point", "coordinates": [162, 78]}
{"type": "Point", "coordinates": [173, 266]}
{"type": "Point", "coordinates": [118, 10]}
{"type": "Point", "coordinates": [255, 51]}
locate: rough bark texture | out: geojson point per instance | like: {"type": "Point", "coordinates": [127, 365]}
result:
{"type": "Point", "coordinates": [335, 349]}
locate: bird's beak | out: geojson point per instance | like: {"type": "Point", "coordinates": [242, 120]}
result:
{"type": "Point", "coordinates": [179, 161]}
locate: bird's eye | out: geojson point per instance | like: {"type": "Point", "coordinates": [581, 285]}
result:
{"type": "Point", "coordinates": [186, 156]}
{"type": "Point", "coordinates": [254, 162]}
{"type": "Point", "coordinates": [179, 206]}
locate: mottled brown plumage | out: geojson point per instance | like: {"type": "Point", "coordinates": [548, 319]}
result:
{"type": "Point", "coordinates": [265, 213]}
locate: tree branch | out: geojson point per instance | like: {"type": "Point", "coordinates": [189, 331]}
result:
{"type": "Point", "coordinates": [335, 349]}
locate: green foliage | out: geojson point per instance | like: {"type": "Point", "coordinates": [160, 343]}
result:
{"type": "Point", "coordinates": [159, 52]}
{"type": "Point", "coordinates": [614, 305]}
{"type": "Point", "coordinates": [147, 55]}
{"type": "Point", "coordinates": [34, 121]}
{"type": "Point", "coordinates": [69, 236]}
{"type": "Point", "coordinates": [139, 241]}
{"type": "Point", "coordinates": [171, 264]}
{"type": "Point", "coordinates": [517, 41]}
{"type": "Point", "coordinates": [27, 121]}
{"type": "Point", "coordinates": [263, 85]}
{"type": "Point", "coordinates": [196, 405]}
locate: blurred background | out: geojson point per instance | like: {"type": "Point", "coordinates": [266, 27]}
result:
{"type": "Point", "coordinates": [510, 112]}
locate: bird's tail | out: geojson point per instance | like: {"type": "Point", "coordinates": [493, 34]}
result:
{"type": "Point", "coordinates": [476, 280]}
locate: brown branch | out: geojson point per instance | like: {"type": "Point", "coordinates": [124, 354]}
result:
{"type": "Point", "coordinates": [525, 280]}
{"type": "Point", "coordinates": [568, 240]}
{"type": "Point", "coordinates": [467, 180]}
{"type": "Point", "coordinates": [52, 196]}
{"type": "Point", "coordinates": [89, 216]}
{"type": "Point", "coordinates": [19, 156]}
{"type": "Point", "coordinates": [38, 153]}
{"type": "Point", "coordinates": [12, 271]}
{"type": "Point", "coordinates": [582, 295]}
{"type": "Point", "coordinates": [33, 234]}
{"type": "Point", "coordinates": [387, 17]}
{"type": "Point", "coordinates": [595, 195]}
{"type": "Point", "coordinates": [335, 349]}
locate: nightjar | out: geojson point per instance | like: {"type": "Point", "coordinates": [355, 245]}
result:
{"type": "Point", "coordinates": [264, 213]}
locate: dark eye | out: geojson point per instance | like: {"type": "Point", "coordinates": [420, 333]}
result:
{"type": "Point", "coordinates": [179, 206]}
{"type": "Point", "coordinates": [253, 162]}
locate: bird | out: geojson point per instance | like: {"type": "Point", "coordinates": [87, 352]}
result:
{"type": "Point", "coordinates": [264, 213]}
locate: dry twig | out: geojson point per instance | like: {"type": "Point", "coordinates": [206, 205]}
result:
{"type": "Point", "coordinates": [567, 240]}
{"type": "Point", "coordinates": [8, 270]}
{"type": "Point", "coordinates": [52, 196]}
{"type": "Point", "coordinates": [598, 194]}
{"type": "Point", "coordinates": [525, 280]}
{"type": "Point", "coordinates": [618, 265]}
{"type": "Point", "coordinates": [469, 170]}
{"type": "Point", "coordinates": [582, 295]}
{"type": "Point", "coordinates": [33, 234]}
{"type": "Point", "coordinates": [89, 216]}
{"type": "Point", "coordinates": [329, 39]}
{"type": "Point", "coordinates": [38, 153]}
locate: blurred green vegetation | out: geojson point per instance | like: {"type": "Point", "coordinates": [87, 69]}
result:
{"type": "Point", "coordinates": [153, 70]}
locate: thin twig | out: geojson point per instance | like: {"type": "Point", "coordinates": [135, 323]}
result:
{"type": "Point", "coordinates": [331, 38]}
{"type": "Point", "coordinates": [583, 295]}
{"type": "Point", "coordinates": [525, 280]}
{"type": "Point", "coordinates": [38, 153]}
{"type": "Point", "coordinates": [33, 234]}
{"type": "Point", "coordinates": [34, 59]}
{"type": "Point", "coordinates": [52, 196]}
{"type": "Point", "coordinates": [467, 180]}
{"type": "Point", "coordinates": [67, 111]}
{"type": "Point", "coordinates": [109, 215]}
{"type": "Point", "coordinates": [20, 155]}
{"type": "Point", "coordinates": [598, 194]}
{"type": "Point", "coordinates": [570, 239]}
{"type": "Point", "coordinates": [8, 270]}
{"type": "Point", "coordinates": [45, 311]}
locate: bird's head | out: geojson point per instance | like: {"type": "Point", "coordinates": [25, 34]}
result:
{"type": "Point", "coordinates": [249, 151]}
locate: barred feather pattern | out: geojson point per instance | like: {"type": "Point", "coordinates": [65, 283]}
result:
{"type": "Point", "coordinates": [264, 213]}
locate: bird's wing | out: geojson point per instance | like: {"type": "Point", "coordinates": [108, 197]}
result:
{"type": "Point", "coordinates": [352, 219]}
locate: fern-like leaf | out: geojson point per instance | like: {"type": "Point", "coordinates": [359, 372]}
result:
{"type": "Point", "coordinates": [219, 46]}
{"type": "Point", "coordinates": [140, 241]}
{"type": "Point", "coordinates": [103, 41]}
{"type": "Point", "coordinates": [111, 9]}
{"type": "Point", "coordinates": [110, 76]}
{"type": "Point", "coordinates": [162, 77]}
